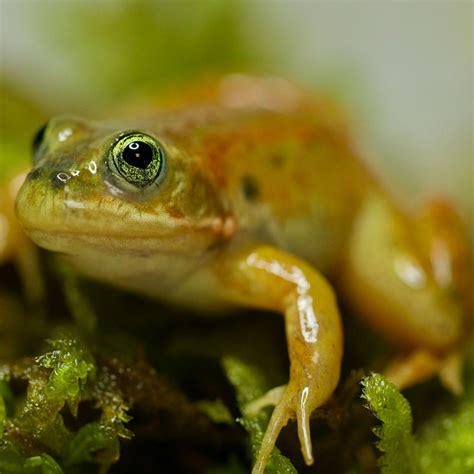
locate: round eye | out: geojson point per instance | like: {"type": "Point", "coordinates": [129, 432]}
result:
{"type": "Point", "coordinates": [38, 140]}
{"type": "Point", "coordinates": [138, 158]}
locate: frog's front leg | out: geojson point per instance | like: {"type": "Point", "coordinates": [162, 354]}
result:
{"type": "Point", "coordinates": [267, 278]}
{"type": "Point", "coordinates": [16, 247]}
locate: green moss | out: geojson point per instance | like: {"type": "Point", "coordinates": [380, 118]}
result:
{"type": "Point", "coordinates": [71, 365]}
{"type": "Point", "coordinates": [395, 433]}
{"type": "Point", "coordinates": [444, 444]}
{"type": "Point", "coordinates": [57, 381]}
{"type": "Point", "coordinates": [43, 464]}
{"type": "Point", "coordinates": [446, 440]}
{"type": "Point", "coordinates": [11, 462]}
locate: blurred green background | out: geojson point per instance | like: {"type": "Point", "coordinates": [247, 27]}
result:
{"type": "Point", "coordinates": [402, 70]}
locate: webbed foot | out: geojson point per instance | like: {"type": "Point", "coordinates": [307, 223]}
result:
{"type": "Point", "coordinates": [421, 365]}
{"type": "Point", "coordinates": [294, 403]}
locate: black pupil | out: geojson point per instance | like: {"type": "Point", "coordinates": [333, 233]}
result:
{"type": "Point", "coordinates": [138, 154]}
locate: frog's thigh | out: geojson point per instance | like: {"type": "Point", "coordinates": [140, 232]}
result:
{"type": "Point", "coordinates": [267, 278]}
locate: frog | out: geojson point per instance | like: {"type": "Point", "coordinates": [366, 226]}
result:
{"type": "Point", "coordinates": [250, 192]}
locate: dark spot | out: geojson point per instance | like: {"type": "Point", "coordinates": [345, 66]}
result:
{"type": "Point", "coordinates": [215, 245]}
{"type": "Point", "coordinates": [250, 188]}
{"type": "Point", "coordinates": [277, 161]}
{"type": "Point", "coordinates": [34, 174]}
{"type": "Point", "coordinates": [174, 212]}
{"type": "Point", "coordinates": [453, 293]}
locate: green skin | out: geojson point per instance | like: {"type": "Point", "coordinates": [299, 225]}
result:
{"type": "Point", "coordinates": [249, 162]}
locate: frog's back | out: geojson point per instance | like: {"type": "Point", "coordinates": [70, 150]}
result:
{"type": "Point", "coordinates": [281, 160]}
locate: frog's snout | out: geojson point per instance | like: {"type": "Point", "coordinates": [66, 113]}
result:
{"type": "Point", "coordinates": [54, 175]}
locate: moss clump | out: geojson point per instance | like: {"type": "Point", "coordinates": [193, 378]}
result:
{"type": "Point", "coordinates": [76, 407]}
{"type": "Point", "coordinates": [443, 445]}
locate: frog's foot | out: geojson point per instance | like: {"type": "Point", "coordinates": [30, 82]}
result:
{"type": "Point", "coordinates": [421, 365]}
{"type": "Point", "coordinates": [293, 404]}
{"type": "Point", "coordinates": [450, 373]}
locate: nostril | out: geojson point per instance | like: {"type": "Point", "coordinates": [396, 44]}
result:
{"type": "Point", "coordinates": [38, 140]}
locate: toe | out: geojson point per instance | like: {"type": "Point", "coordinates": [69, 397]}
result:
{"type": "Point", "coordinates": [280, 416]}
{"type": "Point", "coordinates": [302, 417]}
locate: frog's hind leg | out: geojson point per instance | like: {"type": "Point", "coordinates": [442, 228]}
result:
{"type": "Point", "coordinates": [267, 278]}
{"type": "Point", "coordinates": [421, 365]}
{"type": "Point", "coordinates": [407, 276]}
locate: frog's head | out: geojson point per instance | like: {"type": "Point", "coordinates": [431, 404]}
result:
{"type": "Point", "coordinates": [119, 201]}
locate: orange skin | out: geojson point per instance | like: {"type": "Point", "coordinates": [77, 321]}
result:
{"type": "Point", "coordinates": [15, 246]}
{"type": "Point", "coordinates": [263, 195]}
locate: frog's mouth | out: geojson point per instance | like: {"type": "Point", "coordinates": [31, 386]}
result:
{"type": "Point", "coordinates": [108, 228]}
{"type": "Point", "coordinates": [73, 243]}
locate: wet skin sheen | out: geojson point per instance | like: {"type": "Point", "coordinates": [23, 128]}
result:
{"type": "Point", "coordinates": [249, 192]}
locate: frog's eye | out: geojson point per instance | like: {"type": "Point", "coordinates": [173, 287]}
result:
{"type": "Point", "coordinates": [38, 140]}
{"type": "Point", "coordinates": [138, 158]}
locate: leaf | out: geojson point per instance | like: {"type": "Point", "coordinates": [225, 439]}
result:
{"type": "Point", "coordinates": [6, 397]}
{"type": "Point", "coordinates": [71, 365]}
{"type": "Point", "coordinates": [216, 411]}
{"type": "Point", "coordinates": [3, 414]}
{"type": "Point", "coordinates": [249, 383]}
{"type": "Point", "coordinates": [395, 433]}
{"type": "Point", "coordinates": [46, 464]}
{"type": "Point", "coordinates": [11, 462]}
{"type": "Point", "coordinates": [90, 439]}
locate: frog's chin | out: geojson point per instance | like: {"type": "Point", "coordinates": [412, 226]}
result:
{"type": "Point", "coordinates": [147, 266]}
{"type": "Point", "coordinates": [119, 247]}
{"type": "Point", "coordinates": [152, 275]}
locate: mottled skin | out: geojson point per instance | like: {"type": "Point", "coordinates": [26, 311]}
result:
{"type": "Point", "coordinates": [263, 194]}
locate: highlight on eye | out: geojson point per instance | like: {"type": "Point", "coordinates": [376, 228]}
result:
{"type": "Point", "coordinates": [138, 158]}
